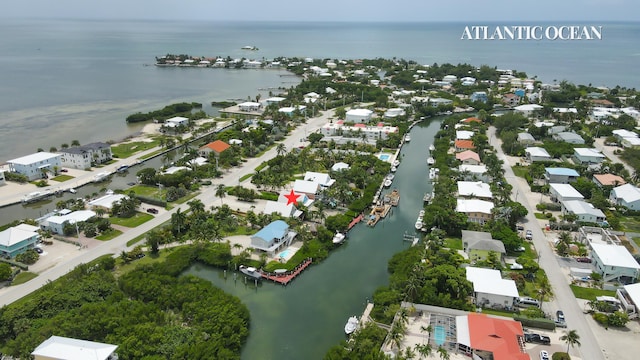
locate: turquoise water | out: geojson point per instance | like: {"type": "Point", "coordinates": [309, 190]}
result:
{"type": "Point", "coordinates": [384, 157]}
{"type": "Point", "coordinates": [285, 254]}
{"type": "Point", "coordinates": [439, 335]}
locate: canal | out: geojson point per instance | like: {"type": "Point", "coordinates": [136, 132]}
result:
{"type": "Point", "coordinates": [304, 319]}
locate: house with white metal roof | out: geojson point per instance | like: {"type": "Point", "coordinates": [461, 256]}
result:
{"type": "Point", "coordinates": [569, 137]}
{"type": "Point", "coordinates": [564, 192]}
{"type": "Point", "coordinates": [614, 263]}
{"type": "Point", "coordinates": [106, 202]}
{"type": "Point", "coordinates": [535, 153]}
{"type": "Point", "coordinates": [620, 134]}
{"type": "Point", "coordinates": [322, 179]}
{"type": "Point", "coordinates": [464, 135]}
{"type": "Point", "coordinates": [176, 121]}
{"type": "Point", "coordinates": [477, 211]}
{"type": "Point", "coordinates": [626, 195]}
{"type": "Point", "coordinates": [308, 188]}
{"type": "Point", "coordinates": [16, 240]}
{"type": "Point", "coordinates": [358, 115]}
{"type": "Point", "coordinates": [560, 175]}
{"type": "Point", "coordinates": [490, 289]}
{"type": "Point", "coordinates": [526, 139]}
{"type": "Point", "coordinates": [474, 189]}
{"type": "Point", "coordinates": [527, 109]}
{"type": "Point", "coordinates": [56, 223]}
{"type": "Point", "coordinates": [282, 209]}
{"type": "Point", "coordinates": [629, 297]}
{"type": "Point", "coordinates": [588, 156]}
{"type": "Point", "coordinates": [630, 142]}
{"type": "Point", "coordinates": [62, 348]}
{"type": "Point", "coordinates": [35, 166]}
{"type": "Point", "coordinates": [583, 210]}
{"type": "Point", "coordinates": [340, 166]}
{"type": "Point", "coordinates": [474, 173]}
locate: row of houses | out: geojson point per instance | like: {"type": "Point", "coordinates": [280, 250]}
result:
{"type": "Point", "coordinates": [585, 156]}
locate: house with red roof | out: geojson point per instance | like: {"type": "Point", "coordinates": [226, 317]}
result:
{"type": "Point", "coordinates": [484, 337]}
{"type": "Point", "coordinates": [462, 145]}
{"type": "Point", "coordinates": [215, 147]}
{"type": "Point", "coordinates": [470, 120]}
{"type": "Point", "coordinates": [468, 157]}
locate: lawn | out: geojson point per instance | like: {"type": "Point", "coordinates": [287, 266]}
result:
{"type": "Point", "coordinates": [125, 150]}
{"type": "Point", "coordinates": [245, 177]}
{"type": "Point", "coordinates": [134, 221]}
{"type": "Point", "coordinates": [23, 277]}
{"type": "Point", "coordinates": [148, 191]}
{"type": "Point", "coordinates": [636, 240]}
{"type": "Point", "coordinates": [136, 239]}
{"type": "Point", "coordinates": [590, 293]}
{"type": "Point", "coordinates": [520, 171]}
{"type": "Point", "coordinates": [453, 243]}
{"type": "Point", "coordinates": [151, 154]}
{"type": "Point", "coordinates": [540, 216]}
{"type": "Point", "coordinates": [630, 223]}
{"type": "Point", "coordinates": [109, 235]}
{"type": "Point", "coordinates": [122, 268]}
{"type": "Point", "coordinates": [61, 178]}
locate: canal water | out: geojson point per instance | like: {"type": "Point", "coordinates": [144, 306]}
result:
{"type": "Point", "coordinates": [304, 319]}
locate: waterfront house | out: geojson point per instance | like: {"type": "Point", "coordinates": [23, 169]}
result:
{"type": "Point", "coordinates": [273, 237]}
{"type": "Point", "coordinates": [468, 157]}
{"type": "Point", "coordinates": [474, 173]}
{"type": "Point", "coordinates": [250, 106]}
{"type": "Point", "coordinates": [291, 110]}
{"type": "Point", "coordinates": [308, 188]}
{"type": "Point", "coordinates": [36, 166]}
{"type": "Point", "coordinates": [176, 122]}
{"type": "Point", "coordinates": [587, 156]}
{"type": "Point", "coordinates": [282, 209]}
{"type": "Point", "coordinates": [525, 138]}
{"type": "Point", "coordinates": [479, 245]}
{"type": "Point", "coordinates": [56, 223]}
{"type": "Point", "coordinates": [62, 348]}
{"type": "Point", "coordinates": [528, 109]}
{"type": "Point", "coordinates": [614, 263]}
{"type": "Point", "coordinates": [560, 175]}
{"type": "Point", "coordinates": [358, 115]}
{"type": "Point", "coordinates": [464, 134]}
{"type": "Point", "coordinates": [477, 211]}
{"type": "Point", "coordinates": [482, 337]}
{"type": "Point", "coordinates": [629, 296]}
{"type": "Point", "coordinates": [394, 113]}
{"type": "Point", "coordinates": [490, 290]}
{"type": "Point", "coordinates": [324, 180]}
{"type": "Point", "coordinates": [569, 137]}
{"type": "Point", "coordinates": [608, 180]}
{"type": "Point", "coordinates": [626, 195]}
{"type": "Point", "coordinates": [18, 239]}
{"type": "Point", "coordinates": [216, 148]}
{"type": "Point", "coordinates": [85, 156]}
{"type": "Point", "coordinates": [274, 100]}
{"type": "Point", "coordinates": [535, 153]}
{"type": "Point", "coordinates": [563, 192]}
{"type": "Point", "coordinates": [474, 189]}
{"type": "Point", "coordinates": [106, 202]}
{"type": "Point", "coordinates": [584, 211]}
{"type": "Point", "coordinates": [462, 145]}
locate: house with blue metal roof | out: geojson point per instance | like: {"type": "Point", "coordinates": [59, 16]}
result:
{"type": "Point", "coordinates": [560, 175]}
{"type": "Point", "coordinates": [273, 237]}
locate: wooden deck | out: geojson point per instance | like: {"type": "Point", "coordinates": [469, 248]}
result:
{"type": "Point", "coordinates": [355, 221]}
{"type": "Point", "coordinates": [287, 277]}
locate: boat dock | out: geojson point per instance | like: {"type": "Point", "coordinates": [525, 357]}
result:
{"type": "Point", "coordinates": [286, 277]}
{"type": "Point", "coordinates": [355, 221]}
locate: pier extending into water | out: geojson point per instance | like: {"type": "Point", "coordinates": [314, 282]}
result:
{"type": "Point", "coordinates": [286, 277]}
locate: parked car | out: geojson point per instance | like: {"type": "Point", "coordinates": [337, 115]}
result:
{"type": "Point", "coordinates": [560, 315]}
{"type": "Point", "coordinates": [64, 170]}
{"type": "Point", "coordinates": [38, 250]}
{"type": "Point", "coordinates": [519, 227]}
{"type": "Point", "coordinates": [561, 324]}
{"type": "Point", "coordinates": [525, 301]}
{"type": "Point", "coordinates": [528, 235]}
{"type": "Point", "coordinates": [544, 355]}
{"type": "Point", "coordinates": [152, 211]}
{"type": "Point", "coordinates": [583, 260]}
{"type": "Point", "coordinates": [537, 339]}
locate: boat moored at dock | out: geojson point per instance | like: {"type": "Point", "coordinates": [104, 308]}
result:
{"type": "Point", "coordinates": [250, 272]}
{"type": "Point", "coordinates": [101, 176]}
{"type": "Point", "coordinates": [36, 196]}
{"type": "Point", "coordinates": [351, 325]}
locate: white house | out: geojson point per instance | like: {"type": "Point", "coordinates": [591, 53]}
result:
{"type": "Point", "coordinates": [56, 223]}
{"type": "Point", "coordinates": [464, 135]}
{"type": "Point", "coordinates": [309, 188]}
{"type": "Point", "coordinates": [614, 263]}
{"type": "Point", "coordinates": [527, 109]}
{"type": "Point", "coordinates": [359, 115]}
{"type": "Point", "coordinates": [273, 237]}
{"type": "Point", "coordinates": [274, 100]}
{"type": "Point", "coordinates": [526, 138]}
{"type": "Point", "coordinates": [371, 133]}
{"type": "Point", "coordinates": [626, 195]}
{"type": "Point", "coordinates": [474, 173]}
{"type": "Point", "coordinates": [302, 198]}
{"type": "Point", "coordinates": [569, 137]}
{"type": "Point", "coordinates": [282, 209]}
{"type": "Point", "coordinates": [35, 166]}
{"type": "Point", "coordinates": [535, 153]}
{"type": "Point", "coordinates": [290, 110]}
{"type": "Point", "coordinates": [560, 175]}
{"type": "Point", "coordinates": [629, 297]}
{"type": "Point", "coordinates": [588, 156]}
{"type": "Point", "coordinates": [324, 180]}
{"type": "Point", "coordinates": [85, 156]}
{"type": "Point", "coordinates": [478, 211]}
{"type": "Point", "coordinates": [250, 106]}
{"type": "Point", "coordinates": [176, 121]}
{"type": "Point", "coordinates": [490, 289]}
{"type": "Point", "coordinates": [62, 348]}
{"type": "Point", "coordinates": [583, 210]}
{"type": "Point", "coordinates": [564, 192]}
{"type": "Point", "coordinates": [16, 240]}
{"type": "Point", "coordinates": [630, 142]}
{"type": "Point", "coordinates": [621, 134]}
{"type": "Point", "coordinates": [474, 189]}
{"type": "Point", "coordinates": [394, 113]}
{"type": "Point", "coordinates": [106, 202]}
{"type": "Point", "coordinates": [340, 166]}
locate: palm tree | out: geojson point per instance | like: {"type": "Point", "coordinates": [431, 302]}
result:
{"type": "Point", "coordinates": [221, 192]}
{"type": "Point", "coordinates": [442, 352]}
{"type": "Point", "coordinates": [178, 221]}
{"type": "Point", "coordinates": [572, 338]}
{"type": "Point", "coordinates": [281, 149]}
{"type": "Point", "coordinates": [424, 350]}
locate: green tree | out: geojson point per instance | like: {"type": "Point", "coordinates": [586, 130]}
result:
{"type": "Point", "coordinates": [5, 272]}
{"type": "Point", "coordinates": [572, 338]}
{"type": "Point", "coordinates": [221, 191]}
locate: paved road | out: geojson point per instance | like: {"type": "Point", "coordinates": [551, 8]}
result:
{"type": "Point", "coordinates": [564, 298]}
{"type": "Point", "coordinates": [117, 245]}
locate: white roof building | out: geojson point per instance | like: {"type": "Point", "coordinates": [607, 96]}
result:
{"type": "Point", "coordinates": [464, 135]}
{"type": "Point", "coordinates": [16, 240]}
{"type": "Point", "coordinates": [56, 223]}
{"type": "Point", "coordinates": [339, 166]}
{"type": "Point", "coordinates": [281, 208]}
{"type": "Point", "coordinates": [106, 201]}
{"type": "Point", "coordinates": [629, 296]}
{"type": "Point", "coordinates": [359, 115]}
{"type": "Point", "coordinates": [474, 172]}
{"type": "Point", "coordinates": [527, 109]}
{"type": "Point", "coordinates": [62, 348]}
{"type": "Point", "coordinates": [583, 210]}
{"type": "Point", "coordinates": [307, 187]}
{"type": "Point", "coordinates": [32, 166]}
{"type": "Point", "coordinates": [614, 263]}
{"type": "Point", "coordinates": [478, 211]}
{"type": "Point", "coordinates": [490, 288]}
{"type": "Point", "coordinates": [537, 154]}
{"type": "Point", "coordinates": [321, 179]}
{"type": "Point", "coordinates": [176, 121]}
{"type": "Point", "coordinates": [394, 112]}
{"type": "Point", "coordinates": [564, 192]}
{"type": "Point", "coordinates": [626, 195]}
{"type": "Point", "coordinates": [475, 189]}
{"type": "Point", "coordinates": [588, 156]}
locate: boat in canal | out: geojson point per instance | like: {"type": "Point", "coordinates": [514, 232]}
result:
{"type": "Point", "coordinates": [122, 168]}
{"type": "Point", "coordinates": [431, 147]}
{"type": "Point", "coordinates": [36, 196]}
{"type": "Point", "coordinates": [250, 272]}
{"type": "Point", "coordinates": [407, 138]}
{"type": "Point", "coordinates": [338, 238]}
{"type": "Point", "coordinates": [396, 163]}
{"type": "Point", "coordinates": [351, 325]}
{"type": "Point", "coordinates": [101, 176]}
{"type": "Point", "coordinates": [431, 160]}
{"type": "Point", "coordinates": [387, 182]}
{"type": "Point", "coordinates": [394, 169]}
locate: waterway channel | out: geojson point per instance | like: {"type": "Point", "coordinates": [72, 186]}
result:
{"type": "Point", "coordinates": [304, 319]}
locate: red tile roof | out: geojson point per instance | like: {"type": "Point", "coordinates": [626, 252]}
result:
{"type": "Point", "coordinates": [464, 144]}
{"type": "Point", "coordinates": [609, 179]}
{"type": "Point", "coordinates": [218, 146]}
{"type": "Point", "coordinates": [497, 336]}
{"type": "Point", "coordinates": [471, 119]}
{"type": "Point", "coordinates": [468, 154]}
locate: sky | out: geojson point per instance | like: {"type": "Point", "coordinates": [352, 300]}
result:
{"type": "Point", "coordinates": [472, 11]}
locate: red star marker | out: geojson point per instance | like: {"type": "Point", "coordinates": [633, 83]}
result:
{"type": "Point", "coordinates": [292, 198]}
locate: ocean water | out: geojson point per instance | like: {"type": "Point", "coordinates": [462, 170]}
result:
{"type": "Point", "coordinates": [74, 79]}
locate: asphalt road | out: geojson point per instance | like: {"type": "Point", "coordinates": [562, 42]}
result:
{"type": "Point", "coordinates": [208, 198]}
{"type": "Point", "coordinates": [563, 296]}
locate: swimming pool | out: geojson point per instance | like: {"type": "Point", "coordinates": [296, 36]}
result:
{"type": "Point", "coordinates": [439, 335]}
{"type": "Point", "coordinates": [287, 253]}
{"type": "Point", "coordinates": [384, 157]}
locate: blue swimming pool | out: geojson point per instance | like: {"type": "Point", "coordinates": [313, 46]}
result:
{"type": "Point", "coordinates": [384, 157]}
{"type": "Point", "coordinates": [439, 335]}
{"type": "Point", "coordinates": [285, 254]}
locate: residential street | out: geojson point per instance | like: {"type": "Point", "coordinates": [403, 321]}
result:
{"type": "Point", "coordinates": [563, 296]}
{"type": "Point", "coordinates": [117, 245]}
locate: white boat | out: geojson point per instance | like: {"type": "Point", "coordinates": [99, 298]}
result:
{"type": "Point", "coordinates": [390, 177]}
{"type": "Point", "coordinates": [122, 168]}
{"type": "Point", "coordinates": [351, 326]}
{"type": "Point", "coordinates": [432, 174]}
{"type": "Point", "coordinates": [396, 163]}
{"type": "Point", "coordinates": [419, 225]}
{"type": "Point", "coordinates": [249, 47]}
{"type": "Point", "coordinates": [431, 160]}
{"type": "Point", "coordinates": [101, 176]}
{"type": "Point", "coordinates": [339, 237]}
{"type": "Point", "coordinates": [72, 190]}
{"type": "Point", "coordinates": [250, 271]}
{"type": "Point", "coordinates": [387, 183]}
{"type": "Point", "coordinates": [421, 214]}
{"type": "Point", "coordinates": [431, 147]}
{"type": "Point", "coordinates": [36, 195]}
{"type": "Point", "coordinates": [394, 169]}
{"type": "Point", "coordinates": [407, 138]}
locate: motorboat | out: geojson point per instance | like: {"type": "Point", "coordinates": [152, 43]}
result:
{"type": "Point", "coordinates": [101, 176]}
{"type": "Point", "coordinates": [72, 190]}
{"type": "Point", "coordinates": [36, 195]}
{"type": "Point", "coordinates": [396, 163]}
{"type": "Point", "coordinates": [250, 271]}
{"type": "Point", "coordinates": [387, 183]}
{"type": "Point", "coordinates": [351, 325]}
{"type": "Point", "coordinates": [394, 169]}
{"type": "Point", "coordinates": [431, 147]}
{"type": "Point", "coordinates": [407, 138]}
{"type": "Point", "coordinates": [390, 177]}
{"type": "Point", "coordinates": [419, 225]}
{"type": "Point", "coordinates": [249, 47]}
{"type": "Point", "coordinates": [431, 160]}
{"type": "Point", "coordinates": [339, 237]}
{"type": "Point", "coordinates": [122, 168]}
{"type": "Point", "coordinates": [432, 174]}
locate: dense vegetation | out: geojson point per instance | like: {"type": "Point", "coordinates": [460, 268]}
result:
{"type": "Point", "coordinates": [150, 312]}
{"type": "Point", "coordinates": [164, 113]}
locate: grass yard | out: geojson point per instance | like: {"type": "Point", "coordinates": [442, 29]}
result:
{"type": "Point", "coordinates": [23, 277]}
{"type": "Point", "coordinates": [590, 293]}
{"type": "Point", "coordinates": [520, 171]}
{"type": "Point", "coordinates": [631, 224]}
{"type": "Point", "coordinates": [152, 154]}
{"type": "Point", "coordinates": [148, 191]}
{"type": "Point", "coordinates": [245, 177]}
{"type": "Point", "coordinates": [61, 178]}
{"type": "Point", "coordinates": [109, 235]}
{"type": "Point", "coordinates": [540, 216]}
{"type": "Point", "coordinates": [134, 221]}
{"type": "Point", "coordinates": [122, 268]}
{"type": "Point", "coordinates": [125, 150]}
{"type": "Point", "coordinates": [453, 243]}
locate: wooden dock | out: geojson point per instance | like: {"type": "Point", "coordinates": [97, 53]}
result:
{"type": "Point", "coordinates": [355, 221]}
{"type": "Point", "coordinates": [287, 277]}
